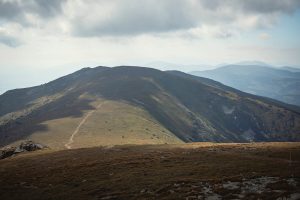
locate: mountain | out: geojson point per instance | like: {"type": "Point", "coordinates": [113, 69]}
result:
{"type": "Point", "coordinates": [169, 66]}
{"type": "Point", "coordinates": [275, 83]}
{"type": "Point", "coordinates": [291, 69]}
{"type": "Point", "coordinates": [252, 62]}
{"type": "Point", "coordinates": [136, 105]}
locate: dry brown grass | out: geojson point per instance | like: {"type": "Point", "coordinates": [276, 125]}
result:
{"type": "Point", "coordinates": [145, 171]}
{"type": "Point", "coordinates": [113, 123]}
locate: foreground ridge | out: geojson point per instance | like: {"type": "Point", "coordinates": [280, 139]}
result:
{"type": "Point", "coordinates": [183, 171]}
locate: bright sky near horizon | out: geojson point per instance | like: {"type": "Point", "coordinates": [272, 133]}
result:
{"type": "Point", "coordinates": [41, 39]}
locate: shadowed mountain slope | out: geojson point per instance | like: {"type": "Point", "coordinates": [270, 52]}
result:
{"type": "Point", "coordinates": [282, 84]}
{"type": "Point", "coordinates": [107, 106]}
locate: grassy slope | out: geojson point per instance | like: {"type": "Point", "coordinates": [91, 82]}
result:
{"type": "Point", "coordinates": [113, 123]}
{"type": "Point", "coordinates": [124, 172]}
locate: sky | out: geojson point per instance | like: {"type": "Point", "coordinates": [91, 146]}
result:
{"type": "Point", "coordinates": [41, 39]}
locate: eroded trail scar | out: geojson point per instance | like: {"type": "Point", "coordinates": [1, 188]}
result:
{"type": "Point", "coordinates": [71, 139]}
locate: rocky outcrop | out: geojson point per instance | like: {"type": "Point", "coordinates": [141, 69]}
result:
{"type": "Point", "coordinates": [23, 147]}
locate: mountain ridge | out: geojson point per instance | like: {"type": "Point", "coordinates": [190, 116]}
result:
{"type": "Point", "coordinates": [144, 105]}
{"type": "Point", "coordinates": [276, 83]}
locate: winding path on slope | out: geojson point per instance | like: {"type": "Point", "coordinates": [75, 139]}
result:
{"type": "Point", "coordinates": [71, 139]}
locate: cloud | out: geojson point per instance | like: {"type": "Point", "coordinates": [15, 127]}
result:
{"type": "Point", "coordinates": [125, 18]}
{"type": "Point", "coordinates": [19, 10]}
{"type": "Point", "coordinates": [9, 40]}
{"type": "Point", "coordinates": [253, 6]}
{"type": "Point", "coordinates": [270, 6]}
{"type": "Point", "coordinates": [8, 37]}
{"type": "Point", "coordinates": [101, 18]}
{"type": "Point", "coordinates": [10, 11]}
{"type": "Point", "coordinates": [18, 17]}
{"type": "Point", "coordinates": [46, 8]}
{"type": "Point", "coordinates": [119, 17]}
{"type": "Point", "coordinates": [264, 36]}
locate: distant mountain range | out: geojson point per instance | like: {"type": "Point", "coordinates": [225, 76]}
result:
{"type": "Point", "coordinates": [162, 65]}
{"type": "Point", "coordinates": [282, 84]}
{"type": "Point", "coordinates": [291, 69]}
{"type": "Point", "coordinates": [121, 105]}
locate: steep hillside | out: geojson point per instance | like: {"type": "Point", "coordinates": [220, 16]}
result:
{"type": "Point", "coordinates": [281, 84]}
{"type": "Point", "coordinates": [121, 105]}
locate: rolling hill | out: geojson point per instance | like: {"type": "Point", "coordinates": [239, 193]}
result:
{"type": "Point", "coordinates": [136, 105]}
{"type": "Point", "coordinates": [282, 84]}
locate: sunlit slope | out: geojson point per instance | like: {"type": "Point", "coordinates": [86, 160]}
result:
{"type": "Point", "coordinates": [112, 123]}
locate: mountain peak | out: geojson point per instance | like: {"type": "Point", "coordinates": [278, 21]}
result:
{"type": "Point", "coordinates": [138, 105]}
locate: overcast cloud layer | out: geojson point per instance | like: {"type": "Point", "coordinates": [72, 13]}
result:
{"type": "Point", "coordinates": [47, 33]}
{"type": "Point", "coordinates": [134, 17]}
